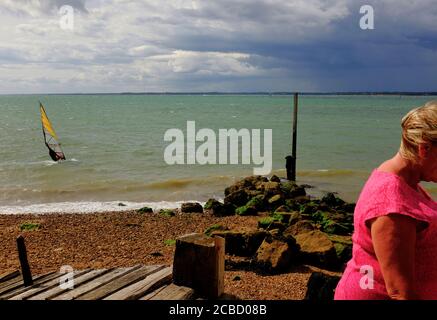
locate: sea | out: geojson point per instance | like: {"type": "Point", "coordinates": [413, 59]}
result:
{"type": "Point", "coordinates": [115, 146]}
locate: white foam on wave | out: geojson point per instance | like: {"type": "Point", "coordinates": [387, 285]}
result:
{"type": "Point", "coordinates": [89, 207]}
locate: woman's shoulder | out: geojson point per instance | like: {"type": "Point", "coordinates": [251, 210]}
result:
{"type": "Point", "coordinates": [383, 188]}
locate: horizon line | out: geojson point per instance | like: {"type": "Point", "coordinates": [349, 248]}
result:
{"type": "Point", "coordinates": [422, 93]}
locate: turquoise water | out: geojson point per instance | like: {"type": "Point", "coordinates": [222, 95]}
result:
{"type": "Point", "coordinates": [115, 144]}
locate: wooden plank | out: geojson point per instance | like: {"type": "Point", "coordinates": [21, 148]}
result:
{"type": "Point", "coordinates": [95, 284]}
{"type": "Point", "coordinates": [77, 282]}
{"type": "Point", "coordinates": [35, 289]}
{"type": "Point", "coordinates": [18, 287]}
{"type": "Point", "coordinates": [174, 292]}
{"type": "Point", "coordinates": [9, 275]}
{"type": "Point", "coordinates": [153, 293]}
{"type": "Point", "coordinates": [9, 282]}
{"type": "Point", "coordinates": [138, 289]}
{"type": "Point", "coordinates": [118, 283]}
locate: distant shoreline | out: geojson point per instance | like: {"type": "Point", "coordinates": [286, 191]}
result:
{"type": "Point", "coordinates": [382, 93]}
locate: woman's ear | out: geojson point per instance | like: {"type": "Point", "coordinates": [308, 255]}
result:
{"type": "Point", "coordinates": [424, 149]}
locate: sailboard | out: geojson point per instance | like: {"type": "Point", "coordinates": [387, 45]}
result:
{"type": "Point", "coordinates": [50, 138]}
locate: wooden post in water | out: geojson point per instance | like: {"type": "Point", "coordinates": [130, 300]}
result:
{"type": "Point", "coordinates": [291, 160]}
{"type": "Point", "coordinates": [22, 256]}
{"type": "Point", "coordinates": [199, 263]}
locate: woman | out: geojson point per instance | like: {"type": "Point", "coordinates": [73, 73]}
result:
{"type": "Point", "coordinates": [395, 219]}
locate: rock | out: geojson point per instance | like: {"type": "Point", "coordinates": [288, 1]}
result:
{"type": "Point", "coordinates": [332, 201]}
{"type": "Point", "coordinates": [276, 253]}
{"type": "Point", "coordinates": [292, 190]}
{"type": "Point", "coordinates": [333, 223]}
{"type": "Point", "coordinates": [276, 201]}
{"type": "Point", "coordinates": [321, 286]}
{"type": "Point", "coordinates": [219, 209]}
{"type": "Point", "coordinates": [256, 202]}
{"type": "Point", "coordinates": [145, 210]}
{"type": "Point", "coordinates": [271, 188]}
{"type": "Point", "coordinates": [191, 207]}
{"type": "Point", "coordinates": [121, 204]}
{"type": "Point", "coordinates": [246, 211]}
{"type": "Point", "coordinates": [238, 198]}
{"type": "Point", "coordinates": [308, 208]}
{"type": "Point", "coordinates": [270, 223]}
{"type": "Point", "coordinates": [209, 204]}
{"type": "Point", "coordinates": [283, 208]}
{"type": "Point", "coordinates": [317, 249]}
{"type": "Point", "coordinates": [275, 178]}
{"type": "Point", "coordinates": [248, 183]}
{"type": "Point", "coordinates": [289, 218]}
{"type": "Point", "coordinates": [167, 212]}
{"type": "Point", "coordinates": [243, 243]}
{"type": "Point", "coordinates": [299, 227]}
{"type": "Point", "coordinates": [215, 227]}
{"type": "Point", "coordinates": [343, 247]}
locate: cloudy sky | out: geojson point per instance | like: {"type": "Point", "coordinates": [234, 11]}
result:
{"type": "Point", "coordinates": [217, 45]}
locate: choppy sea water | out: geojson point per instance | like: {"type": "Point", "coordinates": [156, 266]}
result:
{"type": "Point", "coordinates": [115, 146]}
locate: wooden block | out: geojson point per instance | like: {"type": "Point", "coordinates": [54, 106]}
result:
{"type": "Point", "coordinates": [38, 288]}
{"type": "Point", "coordinates": [199, 263]}
{"type": "Point", "coordinates": [119, 283]}
{"type": "Point", "coordinates": [95, 284]}
{"type": "Point", "coordinates": [174, 292]}
{"type": "Point", "coordinates": [50, 293]}
{"type": "Point", "coordinates": [138, 289]}
{"type": "Point", "coordinates": [18, 287]}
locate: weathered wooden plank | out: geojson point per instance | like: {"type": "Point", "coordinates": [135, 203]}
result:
{"type": "Point", "coordinates": [9, 282]}
{"type": "Point", "coordinates": [95, 284]}
{"type": "Point", "coordinates": [138, 289]}
{"type": "Point", "coordinates": [77, 282]}
{"type": "Point", "coordinates": [118, 283]}
{"type": "Point", "coordinates": [35, 289]}
{"type": "Point", "coordinates": [8, 276]}
{"type": "Point", "coordinates": [174, 292]}
{"type": "Point", "coordinates": [153, 293]}
{"type": "Point", "coordinates": [18, 287]}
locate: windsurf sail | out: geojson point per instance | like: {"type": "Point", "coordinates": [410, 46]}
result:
{"type": "Point", "coordinates": [50, 138]}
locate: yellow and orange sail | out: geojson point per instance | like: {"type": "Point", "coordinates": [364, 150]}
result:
{"type": "Point", "coordinates": [50, 137]}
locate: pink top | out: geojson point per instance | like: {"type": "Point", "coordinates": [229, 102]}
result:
{"type": "Point", "coordinates": [386, 193]}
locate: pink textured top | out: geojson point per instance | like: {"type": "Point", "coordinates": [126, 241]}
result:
{"type": "Point", "coordinates": [385, 193]}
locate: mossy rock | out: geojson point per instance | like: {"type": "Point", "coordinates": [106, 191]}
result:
{"type": "Point", "coordinates": [308, 208]}
{"type": "Point", "coordinates": [264, 223]}
{"type": "Point", "coordinates": [256, 202]}
{"type": "Point", "coordinates": [167, 212]}
{"type": "Point", "coordinates": [209, 204]}
{"type": "Point", "coordinates": [246, 211]}
{"type": "Point", "coordinates": [289, 218]}
{"type": "Point", "coordinates": [30, 226]}
{"type": "Point", "coordinates": [191, 207]}
{"type": "Point", "coordinates": [170, 242]}
{"type": "Point", "coordinates": [215, 227]}
{"type": "Point", "coordinates": [145, 210]}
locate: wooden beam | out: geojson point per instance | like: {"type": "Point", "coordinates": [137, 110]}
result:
{"type": "Point", "coordinates": [291, 160]}
{"type": "Point", "coordinates": [24, 263]}
{"type": "Point", "coordinates": [199, 263]}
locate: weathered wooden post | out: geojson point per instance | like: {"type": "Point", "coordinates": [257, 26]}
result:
{"type": "Point", "coordinates": [291, 160]}
{"type": "Point", "coordinates": [24, 263]}
{"type": "Point", "coordinates": [199, 263]}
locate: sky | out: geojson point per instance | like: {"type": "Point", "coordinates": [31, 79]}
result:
{"type": "Point", "coordinates": [216, 45]}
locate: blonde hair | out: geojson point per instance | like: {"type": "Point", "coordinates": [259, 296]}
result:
{"type": "Point", "coordinates": [418, 126]}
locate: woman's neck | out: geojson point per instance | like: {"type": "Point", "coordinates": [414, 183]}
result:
{"type": "Point", "coordinates": [406, 169]}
